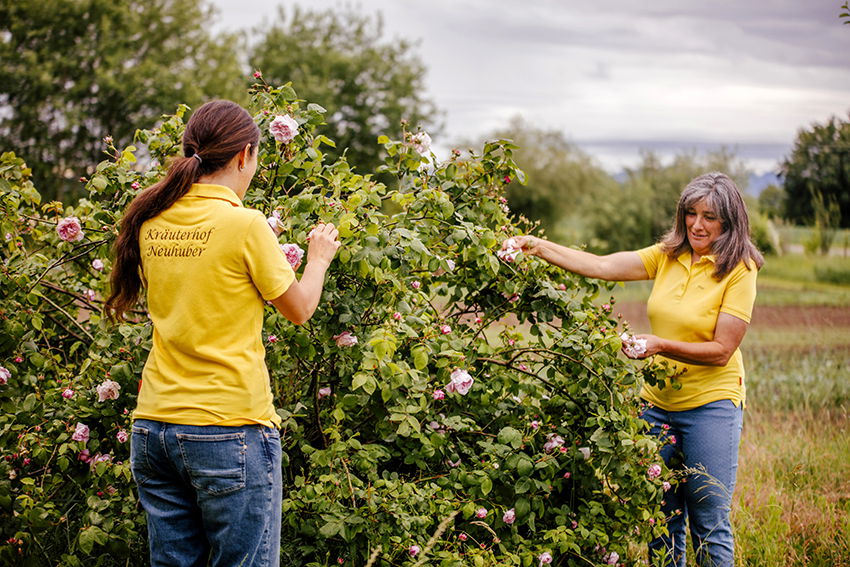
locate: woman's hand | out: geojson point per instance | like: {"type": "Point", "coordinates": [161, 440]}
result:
{"type": "Point", "coordinates": [650, 344]}
{"type": "Point", "coordinates": [323, 244]}
{"type": "Point", "coordinates": [526, 243]}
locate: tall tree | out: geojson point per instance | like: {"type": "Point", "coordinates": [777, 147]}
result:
{"type": "Point", "coordinates": [818, 168]}
{"type": "Point", "coordinates": [75, 71]}
{"type": "Point", "coordinates": [341, 60]}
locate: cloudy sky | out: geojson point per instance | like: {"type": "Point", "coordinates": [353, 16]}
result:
{"type": "Point", "coordinates": [617, 75]}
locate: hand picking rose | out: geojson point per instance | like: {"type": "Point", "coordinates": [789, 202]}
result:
{"type": "Point", "coordinates": [634, 348]}
{"type": "Point", "coordinates": [510, 253]}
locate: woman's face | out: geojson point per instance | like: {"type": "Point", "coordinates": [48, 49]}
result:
{"type": "Point", "coordinates": [703, 226]}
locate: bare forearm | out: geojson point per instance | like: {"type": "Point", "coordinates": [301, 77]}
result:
{"type": "Point", "coordinates": [709, 353]}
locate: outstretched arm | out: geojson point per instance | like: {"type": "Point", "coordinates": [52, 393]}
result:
{"type": "Point", "coordinates": [619, 266]}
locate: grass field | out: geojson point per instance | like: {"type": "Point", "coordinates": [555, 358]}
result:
{"type": "Point", "coordinates": [792, 501]}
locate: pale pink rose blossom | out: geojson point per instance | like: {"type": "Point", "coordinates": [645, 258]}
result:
{"type": "Point", "coordinates": [284, 128]}
{"type": "Point", "coordinates": [438, 395]}
{"type": "Point", "coordinates": [324, 392]}
{"type": "Point", "coordinates": [5, 374]}
{"type": "Point", "coordinates": [545, 558]}
{"type": "Point", "coordinates": [273, 339]}
{"type": "Point", "coordinates": [421, 142]}
{"type": "Point", "coordinates": [461, 382]}
{"type": "Point", "coordinates": [134, 185]}
{"type": "Point", "coordinates": [68, 393]}
{"type": "Point", "coordinates": [553, 441]}
{"type": "Point", "coordinates": [666, 486]}
{"type": "Point", "coordinates": [69, 229]}
{"type": "Point", "coordinates": [445, 329]}
{"type": "Point", "coordinates": [585, 452]}
{"type": "Point", "coordinates": [84, 456]}
{"type": "Point", "coordinates": [634, 348]}
{"type": "Point", "coordinates": [90, 295]}
{"type": "Point", "coordinates": [568, 474]}
{"type": "Point", "coordinates": [81, 433]}
{"type": "Point", "coordinates": [478, 319]}
{"type": "Point", "coordinates": [397, 316]}
{"type": "Point", "coordinates": [510, 252]}
{"type": "Point", "coordinates": [257, 74]}
{"type": "Point", "coordinates": [294, 253]}
{"type": "Point", "coordinates": [274, 222]}
{"type": "Point", "coordinates": [9, 236]}
{"type": "Point", "coordinates": [451, 265]}
{"type": "Point", "coordinates": [653, 472]}
{"type": "Point", "coordinates": [481, 513]}
{"type": "Point", "coordinates": [108, 390]}
{"type": "Point", "coordinates": [413, 550]}
{"type": "Point", "coordinates": [562, 287]}
{"type": "Point", "coordinates": [611, 558]}
{"type": "Point", "coordinates": [535, 424]}
{"type": "Point", "coordinates": [509, 517]}
{"type": "Point", "coordinates": [97, 264]}
{"type": "Point", "coordinates": [122, 436]}
{"type": "Point", "coordinates": [345, 339]}
{"type": "Point", "coordinates": [462, 536]}
{"type": "Point", "coordinates": [415, 284]}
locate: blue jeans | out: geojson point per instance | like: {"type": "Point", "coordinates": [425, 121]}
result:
{"type": "Point", "coordinates": [706, 447]}
{"type": "Point", "coordinates": [212, 494]}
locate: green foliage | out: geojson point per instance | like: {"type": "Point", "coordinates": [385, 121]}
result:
{"type": "Point", "coordinates": [643, 209]}
{"type": "Point", "coordinates": [381, 463]}
{"type": "Point", "coordinates": [561, 182]}
{"type": "Point", "coordinates": [771, 201]}
{"type": "Point", "coordinates": [818, 168]}
{"type": "Point", "coordinates": [845, 15]}
{"type": "Point", "coordinates": [340, 59]}
{"type": "Point", "coordinates": [72, 73]}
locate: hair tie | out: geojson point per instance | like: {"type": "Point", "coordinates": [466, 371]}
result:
{"type": "Point", "coordinates": [198, 157]}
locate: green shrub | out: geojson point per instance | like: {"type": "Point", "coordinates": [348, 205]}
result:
{"type": "Point", "coordinates": [381, 463]}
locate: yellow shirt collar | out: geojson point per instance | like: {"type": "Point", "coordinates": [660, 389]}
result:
{"type": "Point", "coordinates": [685, 258]}
{"type": "Point", "coordinates": [210, 191]}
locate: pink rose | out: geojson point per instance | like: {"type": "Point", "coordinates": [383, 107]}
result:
{"type": "Point", "coordinates": [567, 474]}
{"type": "Point", "coordinates": [274, 222]}
{"type": "Point", "coordinates": [97, 264]}
{"type": "Point", "coordinates": [68, 393]}
{"type": "Point", "coordinates": [481, 513]}
{"type": "Point", "coordinates": [122, 436]}
{"type": "Point", "coordinates": [509, 517]}
{"type": "Point", "coordinates": [553, 441]}
{"type": "Point", "coordinates": [445, 329]}
{"type": "Point", "coordinates": [562, 287]}
{"type": "Point", "coordinates": [108, 390]}
{"type": "Point", "coordinates": [510, 252]}
{"type": "Point", "coordinates": [438, 395]}
{"type": "Point", "coordinates": [84, 456]}
{"type": "Point", "coordinates": [345, 339]}
{"type": "Point", "coordinates": [19, 359]}
{"type": "Point", "coordinates": [293, 253]}
{"type": "Point", "coordinates": [415, 284]}
{"type": "Point", "coordinates": [413, 550]}
{"type": "Point", "coordinates": [81, 433]}
{"type": "Point", "coordinates": [324, 392]}
{"type": "Point", "coordinates": [461, 382]}
{"type": "Point", "coordinates": [462, 536]}
{"type": "Point", "coordinates": [257, 74]}
{"type": "Point", "coordinates": [585, 452]}
{"type": "Point", "coordinates": [5, 374]}
{"type": "Point", "coordinates": [90, 295]}
{"type": "Point", "coordinates": [478, 320]}
{"type": "Point", "coordinates": [666, 486]}
{"type": "Point", "coordinates": [69, 229]}
{"type": "Point", "coordinates": [134, 185]}
{"type": "Point", "coordinates": [284, 128]}
{"type": "Point", "coordinates": [634, 348]}
{"type": "Point", "coordinates": [421, 142]}
{"type": "Point", "coordinates": [397, 316]}
{"type": "Point", "coordinates": [272, 339]}
{"type": "Point", "coordinates": [611, 558]}
{"type": "Point", "coordinates": [653, 472]}
{"type": "Point", "coordinates": [535, 424]}
{"type": "Point", "coordinates": [545, 558]}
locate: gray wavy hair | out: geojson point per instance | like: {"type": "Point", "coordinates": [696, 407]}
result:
{"type": "Point", "coordinates": [734, 244]}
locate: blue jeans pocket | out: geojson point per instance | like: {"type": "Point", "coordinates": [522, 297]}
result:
{"type": "Point", "coordinates": [139, 463]}
{"type": "Point", "coordinates": [215, 463]}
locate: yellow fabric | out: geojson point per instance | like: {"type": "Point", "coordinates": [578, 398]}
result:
{"type": "Point", "coordinates": [208, 263]}
{"type": "Point", "coordinates": [683, 306]}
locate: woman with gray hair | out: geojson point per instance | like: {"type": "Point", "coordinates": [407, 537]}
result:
{"type": "Point", "coordinates": [705, 271]}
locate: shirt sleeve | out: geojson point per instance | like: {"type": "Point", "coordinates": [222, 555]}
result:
{"type": "Point", "coordinates": [267, 264]}
{"type": "Point", "coordinates": [651, 258]}
{"type": "Point", "coordinates": [740, 294]}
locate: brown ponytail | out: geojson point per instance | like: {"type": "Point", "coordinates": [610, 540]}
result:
{"type": "Point", "coordinates": [215, 133]}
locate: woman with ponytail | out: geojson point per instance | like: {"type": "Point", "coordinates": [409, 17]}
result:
{"type": "Point", "coordinates": [205, 449]}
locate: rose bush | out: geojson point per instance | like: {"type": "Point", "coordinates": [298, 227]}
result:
{"type": "Point", "coordinates": [434, 381]}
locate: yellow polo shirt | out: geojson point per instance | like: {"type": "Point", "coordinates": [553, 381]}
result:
{"type": "Point", "coordinates": [208, 264]}
{"type": "Point", "coordinates": [683, 306]}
